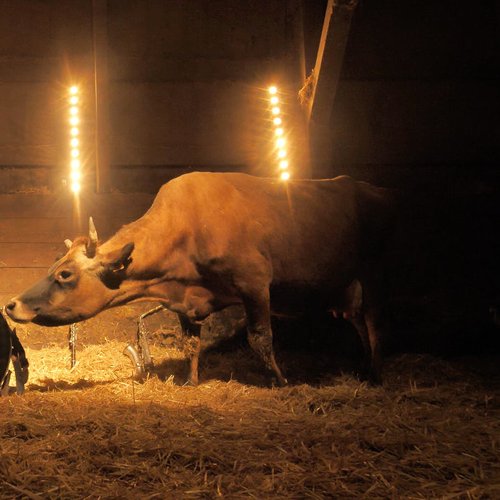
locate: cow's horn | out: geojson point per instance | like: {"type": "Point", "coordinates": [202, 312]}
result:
{"type": "Point", "coordinates": [92, 243]}
{"type": "Point", "coordinates": [92, 231]}
{"type": "Point", "coordinates": [68, 243]}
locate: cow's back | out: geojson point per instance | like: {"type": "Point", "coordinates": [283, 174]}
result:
{"type": "Point", "coordinates": [310, 230]}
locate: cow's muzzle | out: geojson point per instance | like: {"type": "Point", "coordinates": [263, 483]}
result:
{"type": "Point", "coordinates": [19, 311]}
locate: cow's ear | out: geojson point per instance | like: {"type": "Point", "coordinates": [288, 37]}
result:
{"type": "Point", "coordinates": [117, 260]}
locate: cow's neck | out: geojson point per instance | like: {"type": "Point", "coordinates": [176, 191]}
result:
{"type": "Point", "coordinates": [159, 263]}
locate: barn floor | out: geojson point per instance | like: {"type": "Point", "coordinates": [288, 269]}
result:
{"type": "Point", "coordinates": [432, 430]}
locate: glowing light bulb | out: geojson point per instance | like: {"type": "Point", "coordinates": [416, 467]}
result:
{"type": "Point", "coordinates": [275, 110]}
{"type": "Point", "coordinates": [272, 89]}
{"type": "Point", "coordinates": [279, 131]}
{"type": "Point", "coordinates": [284, 176]}
{"type": "Point", "coordinates": [277, 121]}
{"type": "Point", "coordinates": [74, 141]}
{"type": "Point", "coordinates": [282, 153]}
{"type": "Point", "coordinates": [280, 142]}
{"type": "Point", "coordinates": [283, 164]}
{"type": "Point", "coordinates": [274, 99]}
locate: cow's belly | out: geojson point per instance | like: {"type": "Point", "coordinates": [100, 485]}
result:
{"type": "Point", "coordinates": [299, 298]}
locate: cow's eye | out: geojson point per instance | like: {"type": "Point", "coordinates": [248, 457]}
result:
{"type": "Point", "coordinates": [65, 275]}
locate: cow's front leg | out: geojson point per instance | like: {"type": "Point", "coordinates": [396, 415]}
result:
{"type": "Point", "coordinates": [260, 336]}
{"type": "Point", "coordinates": [191, 344]}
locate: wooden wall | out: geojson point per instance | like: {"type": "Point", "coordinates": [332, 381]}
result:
{"type": "Point", "coordinates": [33, 228]}
{"type": "Point", "coordinates": [186, 85]}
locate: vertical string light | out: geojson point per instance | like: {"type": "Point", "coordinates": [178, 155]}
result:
{"type": "Point", "coordinates": [74, 139]}
{"type": "Point", "coordinates": [279, 133]}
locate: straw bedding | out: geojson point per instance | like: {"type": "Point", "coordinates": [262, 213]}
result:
{"type": "Point", "coordinates": [432, 431]}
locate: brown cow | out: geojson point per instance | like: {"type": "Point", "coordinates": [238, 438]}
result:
{"type": "Point", "coordinates": [211, 240]}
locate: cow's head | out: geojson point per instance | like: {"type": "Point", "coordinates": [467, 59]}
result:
{"type": "Point", "coordinates": [78, 286]}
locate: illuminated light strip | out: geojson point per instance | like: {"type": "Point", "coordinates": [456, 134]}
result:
{"type": "Point", "coordinates": [282, 154]}
{"type": "Point", "coordinates": [75, 174]}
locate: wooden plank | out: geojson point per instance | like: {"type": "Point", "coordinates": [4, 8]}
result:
{"type": "Point", "coordinates": [34, 230]}
{"type": "Point", "coordinates": [14, 280]}
{"type": "Point", "coordinates": [52, 230]}
{"type": "Point", "coordinates": [127, 205]}
{"type": "Point", "coordinates": [101, 81]}
{"type": "Point", "coordinates": [327, 69]}
{"type": "Point", "coordinates": [40, 255]}
{"type": "Point", "coordinates": [33, 205]}
{"type": "Point", "coordinates": [330, 57]}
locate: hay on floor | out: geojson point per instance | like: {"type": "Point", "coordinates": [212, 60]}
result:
{"type": "Point", "coordinates": [432, 431]}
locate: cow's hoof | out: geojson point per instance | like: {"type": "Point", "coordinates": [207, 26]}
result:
{"type": "Point", "coordinates": [374, 379]}
{"type": "Point", "coordinates": [282, 382]}
{"type": "Point", "coordinates": [368, 375]}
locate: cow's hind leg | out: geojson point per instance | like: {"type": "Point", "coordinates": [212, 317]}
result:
{"type": "Point", "coordinates": [365, 325]}
{"type": "Point", "coordinates": [371, 320]}
{"type": "Point", "coordinates": [260, 336]}
{"type": "Point", "coordinates": [191, 344]}
{"type": "Point", "coordinates": [363, 317]}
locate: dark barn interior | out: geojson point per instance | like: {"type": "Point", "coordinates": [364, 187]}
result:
{"type": "Point", "coordinates": [403, 95]}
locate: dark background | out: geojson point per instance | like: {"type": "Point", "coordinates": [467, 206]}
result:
{"type": "Point", "coordinates": [417, 98]}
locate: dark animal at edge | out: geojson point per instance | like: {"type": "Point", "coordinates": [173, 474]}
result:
{"type": "Point", "coordinates": [211, 240]}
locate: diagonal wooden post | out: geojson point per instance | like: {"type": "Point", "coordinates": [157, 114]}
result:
{"type": "Point", "coordinates": [326, 76]}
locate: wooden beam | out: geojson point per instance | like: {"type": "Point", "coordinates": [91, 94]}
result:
{"type": "Point", "coordinates": [327, 70]}
{"type": "Point", "coordinates": [101, 85]}
{"type": "Point", "coordinates": [302, 168]}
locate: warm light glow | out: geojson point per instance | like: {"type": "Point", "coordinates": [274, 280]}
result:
{"type": "Point", "coordinates": [279, 134]}
{"type": "Point", "coordinates": [74, 153]}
